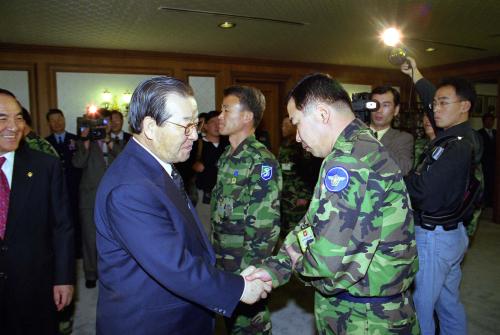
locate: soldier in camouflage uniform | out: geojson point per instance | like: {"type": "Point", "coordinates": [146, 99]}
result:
{"type": "Point", "coordinates": [356, 243]}
{"type": "Point", "coordinates": [34, 141]}
{"type": "Point", "coordinates": [245, 200]}
{"type": "Point", "coordinates": [298, 178]}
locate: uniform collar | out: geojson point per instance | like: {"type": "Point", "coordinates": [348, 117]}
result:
{"type": "Point", "coordinates": [242, 147]}
{"type": "Point", "coordinates": [346, 138]}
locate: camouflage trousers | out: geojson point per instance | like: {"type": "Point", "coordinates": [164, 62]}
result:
{"type": "Point", "coordinates": [337, 316]}
{"type": "Point", "coordinates": [250, 319]}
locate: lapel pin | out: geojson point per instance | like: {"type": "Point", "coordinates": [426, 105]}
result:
{"type": "Point", "coordinates": [30, 174]}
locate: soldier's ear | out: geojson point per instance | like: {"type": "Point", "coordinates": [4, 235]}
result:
{"type": "Point", "coordinates": [323, 112]}
{"type": "Point", "coordinates": [248, 117]}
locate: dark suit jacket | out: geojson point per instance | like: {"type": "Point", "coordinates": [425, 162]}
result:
{"type": "Point", "coordinates": [488, 161]}
{"type": "Point", "coordinates": [37, 251]}
{"type": "Point", "coordinates": [156, 265]}
{"type": "Point", "coordinates": [400, 147]}
{"type": "Point", "coordinates": [66, 151]}
{"type": "Point", "coordinates": [489, 147]}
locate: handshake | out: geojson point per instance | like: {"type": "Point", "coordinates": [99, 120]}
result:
{"type": "Point", "coordinates": [258, 283]}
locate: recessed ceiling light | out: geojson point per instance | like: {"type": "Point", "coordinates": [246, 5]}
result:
{"type": "Point", "coordinates": [227, 25]}
{"type": "Point", "coordinates": [430, 49]}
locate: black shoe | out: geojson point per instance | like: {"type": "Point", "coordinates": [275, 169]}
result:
{"type": "Point", "coordinates": [90, 283]}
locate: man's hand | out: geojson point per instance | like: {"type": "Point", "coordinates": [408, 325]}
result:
{"type": "Point", "coordinates": [410, 69]}
{"type": "Point", "coordinates": [63, 294]}
{"type": "Point", "coordinates": [257, 274]}
{"type": "Point", "coordinates": [254, 289]}
{"type": "Point", "coordinates": [294, 255]}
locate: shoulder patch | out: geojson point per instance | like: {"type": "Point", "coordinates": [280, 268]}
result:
{"type": "Point", "coordinates": [266, 172]}
{"type": "Point", "coordinates": [336, 179]}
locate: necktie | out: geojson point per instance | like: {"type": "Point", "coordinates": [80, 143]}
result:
{"type": "Point", "coordinates": [177, 179]}
{"type": "Point", "coordinates": [375, 134]}
{"type": "Point", "coordinates": [4, 199]}
{"type": "Point", "coordinates": [59, 139]}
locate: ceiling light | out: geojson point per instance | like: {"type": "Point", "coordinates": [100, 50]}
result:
{"type": "Point", "coordinates": [430, 49]}
{"type": "Point", "coordinates": [227, 25]}
{"type": "Point", "coordinates": [391, 36]}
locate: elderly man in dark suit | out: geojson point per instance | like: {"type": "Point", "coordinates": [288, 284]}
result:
{"type": "Point", "coordinates": [36, 231]}
{"type": "Point", "coordinates": [398, 143]}
{"type": "Point", "coordinates": [156, 264]}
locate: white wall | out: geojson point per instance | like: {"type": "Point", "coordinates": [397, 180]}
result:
{"type": "Point", "coordinates": [18, 83]}
{"type": "Point", "coordinates": [204, 92]}
{"type": "Point", "coordinates": [76, 91]}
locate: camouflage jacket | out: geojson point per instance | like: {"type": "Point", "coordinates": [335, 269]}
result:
{"type": "Point", "coordinates": [245, 205]}
{"type": "Point", "coordinates": [296, 167]}
{"type": "Point", "coordinates": [362, 221]}
{"type": "Point", "coordinates": [35, 142]}
{"type": "Point", "coordinates": [293, 163]}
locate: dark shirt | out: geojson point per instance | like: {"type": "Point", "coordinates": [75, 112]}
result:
{"type": "Point", "coordinates": [438, 188]}
{"type": "Point", "coordinates": [209, 157]}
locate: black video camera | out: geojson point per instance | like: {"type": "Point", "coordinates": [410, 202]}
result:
{"type": "Point", "coordinates": [95, 122]}
{"type": "Point", "coordinates": [363, 106]}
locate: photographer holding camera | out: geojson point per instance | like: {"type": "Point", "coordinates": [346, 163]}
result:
{"type": "Point", "coordinates": [436, 186]}
{"type": "Point", "coordinates": [95, 152]}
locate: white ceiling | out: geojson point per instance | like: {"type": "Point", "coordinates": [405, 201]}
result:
{"type": "Point", "coordinates": [336, 31]}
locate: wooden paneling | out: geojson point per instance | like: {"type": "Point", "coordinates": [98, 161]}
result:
{"type": "Point", "coordinates": [43, 62]}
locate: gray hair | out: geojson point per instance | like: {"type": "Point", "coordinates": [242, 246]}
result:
{"type": "Point", "coordinates": [150, 99]}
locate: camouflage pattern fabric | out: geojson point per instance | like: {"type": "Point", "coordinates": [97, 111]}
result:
{"type": "Point", "coordinates": [471, 227]}
{"type": "Point", "coordinates": [35, 142]}
{"type": "Point", "coordinates": [364, 239]}
{"type": "Point", "coordinates": [246, 219]}
{"type": "Point", "coordinates": [294, 185]}
{"type": "Point", "coordinates": [419, 148]}
{"type": "Point", "coordinates": [337, 316]}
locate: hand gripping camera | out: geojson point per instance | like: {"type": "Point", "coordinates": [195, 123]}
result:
{"type": "Point", "coordinates": [95, 122]}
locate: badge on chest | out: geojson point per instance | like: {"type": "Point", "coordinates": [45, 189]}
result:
{"type": "Point", "coordinates": [305, 237]}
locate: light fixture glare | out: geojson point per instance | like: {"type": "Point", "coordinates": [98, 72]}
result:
{"type": "Point", "coordinates": [391, 36]}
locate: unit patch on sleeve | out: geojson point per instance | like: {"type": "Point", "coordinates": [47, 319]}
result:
{"type": "Point", "coordinates": [336, 179]}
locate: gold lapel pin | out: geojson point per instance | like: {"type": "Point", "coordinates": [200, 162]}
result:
{"type": "Point", "coordinates": [30, 174]}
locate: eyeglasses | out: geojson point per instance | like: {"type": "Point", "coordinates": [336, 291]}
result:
{"type": "Point", "coordinates": [189, 127]}
{"type": "Point", "coordinates": [442, 103]}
